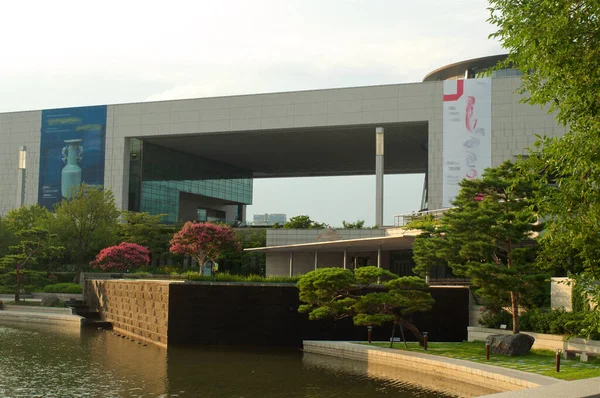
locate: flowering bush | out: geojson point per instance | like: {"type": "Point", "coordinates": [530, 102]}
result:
{"type": "Point", "coordinates": [123, 257]}
{"type": "Point", "coordinates": [204, 241]}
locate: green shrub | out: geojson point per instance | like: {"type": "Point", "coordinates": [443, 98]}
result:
{"type": "Point", "coordinates": [493, 318]}
{"type": "Point", "coordinates": [552, 322]}
{"type": "Point", "coordinates": [225, 277]}
{"type": "Point", "coordinates": [7, 289]}
{"type": "Point", "coordinates": [63, 288]}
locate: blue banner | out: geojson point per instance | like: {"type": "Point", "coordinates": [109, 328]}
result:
{"type": "Point", "coordinates": [72, 149]}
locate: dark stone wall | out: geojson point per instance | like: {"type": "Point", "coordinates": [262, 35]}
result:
{"type": "Point", "coordinates": [227, 314]}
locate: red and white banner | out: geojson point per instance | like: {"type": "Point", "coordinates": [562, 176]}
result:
{"type": "Point", "coordinates": [467, 129]}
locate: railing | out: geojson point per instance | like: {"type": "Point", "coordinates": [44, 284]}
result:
{"type": "Point", "coordinates": [449, 282]}
{"type": "Point", "coordinates": [402, 220]}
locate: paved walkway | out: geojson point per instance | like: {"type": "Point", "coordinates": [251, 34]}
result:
{"type": "Point", "coordinates": [573, 389]}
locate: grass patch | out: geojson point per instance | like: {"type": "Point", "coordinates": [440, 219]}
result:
{"type": "Point", "coordinates": [72, 288]}
{"type": "Point", "coordinates": [540, 362]}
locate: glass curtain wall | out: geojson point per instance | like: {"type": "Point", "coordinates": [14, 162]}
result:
{"type": "Point", "coordinates": [158, 175]}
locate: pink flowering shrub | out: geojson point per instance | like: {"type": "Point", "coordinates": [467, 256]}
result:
{"type": "Point", "coordinates": [204, 241]}
{"type": "Point", "coordinates": [123, 257]}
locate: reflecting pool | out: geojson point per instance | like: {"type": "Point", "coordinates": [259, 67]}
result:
{"type": "Point", "coordinates": [43, 361]}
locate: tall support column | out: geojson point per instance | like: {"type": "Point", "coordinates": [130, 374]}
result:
{"type": "Point", "coordinates": [379, 257]}
{"type": "Point", "coordinates": [316, 259]}
{"type": "Point", "coordinates": [345, 257]}
{"type": "Point", "coordinates": [21, 167]}
{"type": "Point", "coordinates": [379, 144]}
{"type": "Point", "coordinates": [291, 264]}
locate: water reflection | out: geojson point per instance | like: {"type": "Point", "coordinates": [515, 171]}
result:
{"type": "Point", "coordinates": [398, 377]}
{"type": "Point", "coordinates": [54, 362]}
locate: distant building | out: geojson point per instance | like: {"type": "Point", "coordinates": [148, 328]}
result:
{"type": "Point", "coordinates": [269, 219]}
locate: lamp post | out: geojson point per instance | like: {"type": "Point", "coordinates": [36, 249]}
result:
{"type": "Point", "coordinates": [425, 334]}
{"type": "Point", "coordinates": [558, 352]}
{"type": "Point", "coordinates": [21, 166]}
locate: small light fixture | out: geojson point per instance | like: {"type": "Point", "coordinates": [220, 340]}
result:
{"type": "Point", "coordinates": [22, 163]}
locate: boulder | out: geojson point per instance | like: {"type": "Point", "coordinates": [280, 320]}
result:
{"type": "Point", "coordinates": [510, 344]}
{"type": "Point", "coordinates": [49, 301]}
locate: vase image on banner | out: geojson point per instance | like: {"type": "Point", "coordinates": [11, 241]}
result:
{"type": "Point", "coordinates": [72, 153]}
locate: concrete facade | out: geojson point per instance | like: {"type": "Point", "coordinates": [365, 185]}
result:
{"type": "Point", "coordinates": [514, 126]}
{"type": "Point", "coordinates": [561, 294]}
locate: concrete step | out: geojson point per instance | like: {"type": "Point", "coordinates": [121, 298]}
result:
{"type": "Point", "coordinates": [38, 309]}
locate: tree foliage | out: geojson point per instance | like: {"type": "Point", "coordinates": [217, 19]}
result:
{"type": "Point", "coordinates": [358, 224]}
{"type": "Point", "coordinates": [123, 257]}
{"type": "Point", "coordinates": [556, 43]}
{"type": "Point", "coordinates": [35, 244]}
{"type": "Point", "coordinates": [86, 224]}
{"type": "Point", "coordinates": [340, 293]}
{"type": "Point", "coordinates": [303, 222]}
{"type": "Point", "coordinates": [146, 230]}
{"type": "Point", "coordinates": [204, 241]}
{"type": "Point", "coordinates": [489, 237]}
{"type": "Point", "coordinates": [238, 262]}
{"type": "Point", "coordinates": [27, 217]}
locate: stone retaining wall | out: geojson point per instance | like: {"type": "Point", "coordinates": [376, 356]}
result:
{"type": "Point", "coordinates": [138, 308]}
{"type": "Point", "coordinates": [38, 317]}
{"type": "Point", "coordinates": [501, 379]}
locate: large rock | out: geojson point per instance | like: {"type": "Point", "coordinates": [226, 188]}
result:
{"type": "Point", "coordinates": [510, 344]}
{"type": "Point", "coordinates": [49, 301]}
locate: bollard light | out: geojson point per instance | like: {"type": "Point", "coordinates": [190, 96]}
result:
{"type": "Point", "coordinates": [487, 351]}
{"type": "Point", "coordinates": [369, 332]}
{"type": "Point", "coordinates": [425, 340]}
{"type": "Point", "coordinates": [558, 352]}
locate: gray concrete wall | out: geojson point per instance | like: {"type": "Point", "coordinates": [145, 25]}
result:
{"type": "Point", "coordinates": [561, 294]}
{"type": "Point", "coordinates": [284, 236]}
{"type": "Point", "coordinates": [514, 126]}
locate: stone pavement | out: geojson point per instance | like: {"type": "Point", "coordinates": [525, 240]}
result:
{"type": "Point", "coordinates": [586, 388]}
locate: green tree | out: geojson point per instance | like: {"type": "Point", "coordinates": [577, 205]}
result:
{"type": "Point", "coordinates": [7, 237]}
{"type": "Point", "coordinates": [246, 263]}
{"type": "Point", "coordinates": [146, 230]}
{"type": "Point", "coordinates": [35, 243]}
{"type": "Point", "coordinates": [27, 217]}
{"type": "Point", "coordinates": [489, 237]}
{"type": "Point", "coordinates": [303, 222]}
{"type": "Point", "coordinates": [358, 224]}
{"type": "Point", "coordinates": [556, 43]}
{"type": "Point", "coordinates": [86, 224]}
{"type": "Point", "coordinates": [340, 293]}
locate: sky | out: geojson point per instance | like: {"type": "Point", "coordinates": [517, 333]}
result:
{"type": "Point", "coordinates": [73, 53]}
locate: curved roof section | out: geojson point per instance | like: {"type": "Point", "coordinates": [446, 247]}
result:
{"type": "Point", "coordinates": [459, 68]}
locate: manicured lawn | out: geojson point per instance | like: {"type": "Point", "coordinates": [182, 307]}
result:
{"type": "Point", "coordinates": [541, 362]}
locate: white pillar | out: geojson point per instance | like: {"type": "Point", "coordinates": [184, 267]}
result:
{"type": "Point", "coordinates": [21, 167]}
{"type": "Point", "coordinates": [379, 257]}
{"type": "Point", "coordinates": [345, 257]}
{"type": "Point", "coordinates": [379, 145]}
{"type": "Point", "coordinates": [291, 264]}
{"type": "Point", "coordinates": [316, 259]}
